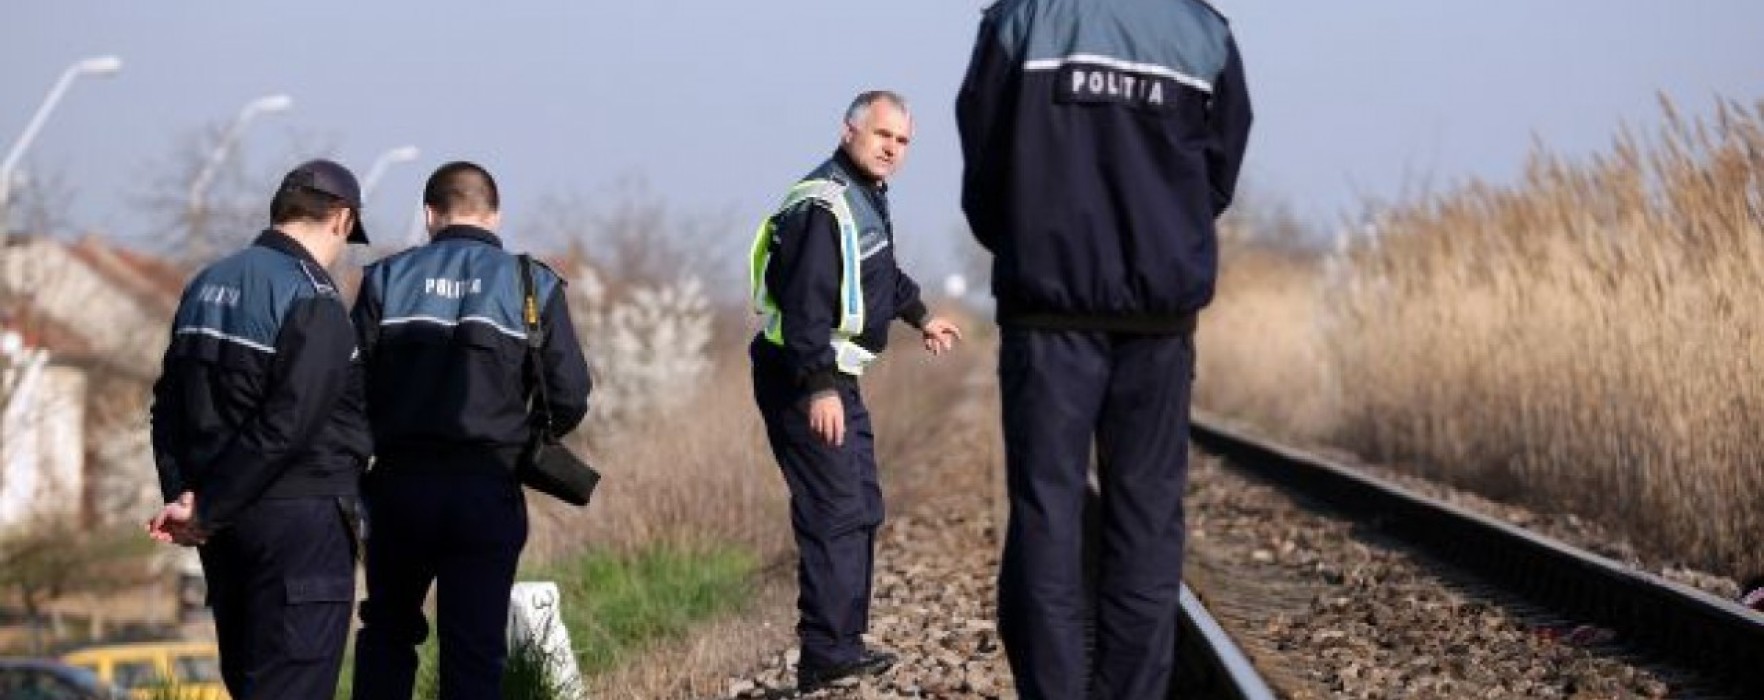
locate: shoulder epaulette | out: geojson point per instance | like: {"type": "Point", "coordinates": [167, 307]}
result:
{"type": "Point", "coordinates": [320, 285]}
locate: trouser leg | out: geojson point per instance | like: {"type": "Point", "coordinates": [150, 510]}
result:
{"type": "Point", "coordinates": [1051, 384]}
{"type": "Point", "coordinates": [289, 585]}
{"type": "Point", "coordinates": [833, 515]}
{"type": "Point", "coordinates": [224, 574]}
{"type": "Point", "coordinates": [861, 437]}
{"type": "Point", "coordinates": [400, 568]}
{"type": "Point", "coordinates": [485, 535]}
{"type": "Point", "coordinates": [1142, 460]}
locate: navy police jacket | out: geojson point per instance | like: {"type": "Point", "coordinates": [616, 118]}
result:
{"type": "Point", "coordinates": [805, 268]}
{"type": "Point", "coordinates": [1101, 138]}
{"type": "Point", "coordinates": [446, 351]}
{"type": "Point", "coordinates": [261, 394]}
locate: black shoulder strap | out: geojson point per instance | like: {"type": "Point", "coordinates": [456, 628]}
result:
{"type": "Point", "coordinates": [535, 339]}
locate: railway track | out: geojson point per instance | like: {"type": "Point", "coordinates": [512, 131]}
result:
{"type": "Point", "coordinates": [1326, 584]}
{"type": "Point", "coordinates": [1209, 663]}
{"type": "Point", "coordinates": [1628, 622]}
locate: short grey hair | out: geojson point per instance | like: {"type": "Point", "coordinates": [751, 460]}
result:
{"type": "Point", "coordinates": [860, 105]}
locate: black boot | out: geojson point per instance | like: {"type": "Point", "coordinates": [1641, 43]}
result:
{"type": "Point", "coordinates": [873, 662]}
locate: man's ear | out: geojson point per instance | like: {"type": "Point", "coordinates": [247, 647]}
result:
{"type": "Point", "coordinates": [341, 223]}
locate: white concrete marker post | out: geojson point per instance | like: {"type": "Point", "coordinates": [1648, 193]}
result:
{"type": "Point", "coordinates": [955, 286]}
{"type": "Point", "coordinates": [535, 619]}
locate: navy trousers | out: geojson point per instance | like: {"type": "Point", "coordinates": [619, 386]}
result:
{"type": "Point", "coordinates": [462, 532]}
{"type": "Point", "coordinates": [835, 510]}
{"type": "Point", "coordinates": [281, 581]}
{"type": "Point", "coordinates": [1130, 394]}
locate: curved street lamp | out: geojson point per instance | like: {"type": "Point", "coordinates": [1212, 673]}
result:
{"type": "Point", "coordinates": [262, 105]}
{"type": "Point", "coordinates": [96, 65]}
{"type": "Point", "coordinates": [401, 154]}
{"type": "Point", "coordinates": [197, 209]}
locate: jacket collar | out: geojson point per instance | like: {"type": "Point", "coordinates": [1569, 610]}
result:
{"type": "Point", "coordinates": [285, 244]}
{"type": "Point", "coordinates": [855, 174]}
{"type": "Point", "coordinates": [288, 245]}
{"type": "Point", "coordinates": [461, 232]}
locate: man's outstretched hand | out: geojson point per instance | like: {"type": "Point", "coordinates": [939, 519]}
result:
{"type": "Point", "coordinates": [940, 335]}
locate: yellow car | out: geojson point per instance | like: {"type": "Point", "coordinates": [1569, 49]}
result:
{"type": "Point", "coordinates": [156, 670]}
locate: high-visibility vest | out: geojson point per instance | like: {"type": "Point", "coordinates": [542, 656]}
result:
{"type": "Point", "coordinates": [831, 195]}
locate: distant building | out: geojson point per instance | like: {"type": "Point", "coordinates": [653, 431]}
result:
{"type": "Point", "coordinates": [42, 432]}
{"type": "Point", "coordinates": [82, 327]}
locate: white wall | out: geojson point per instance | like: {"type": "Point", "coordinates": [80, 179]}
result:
{"type": "Point", "coordinates": [42, 439]}
{"type": "Point", "coordinates": [45, 276]}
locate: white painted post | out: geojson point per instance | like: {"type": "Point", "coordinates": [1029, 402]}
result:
{"type": "Point", "coordinates": [535, 619]}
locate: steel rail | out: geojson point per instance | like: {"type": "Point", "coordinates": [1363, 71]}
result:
{"type": "Point", "coordinates": [1695, 630]}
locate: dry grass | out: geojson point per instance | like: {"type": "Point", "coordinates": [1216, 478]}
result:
{"type": "Point", "coordinates": [1589, 340]}
{"type": "Point", "coordinates": [704, 474]}
{"type": "Point", "coordinates": [934, 420]}
{"type": "Point", "coordinates": [704, 477]}
{"type": "Point", "coordinates": [1260, 339]}
{"type": "Point", "coordinates": [700, 475]}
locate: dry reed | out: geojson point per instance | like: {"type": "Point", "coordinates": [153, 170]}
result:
{"type": "Point", "coordinates": [1590, 339]}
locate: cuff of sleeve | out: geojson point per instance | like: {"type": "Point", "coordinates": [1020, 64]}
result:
{"type": "Point", "coordinates": [915, 314]}
{"type": "Point", "coordinates": [819, 381]}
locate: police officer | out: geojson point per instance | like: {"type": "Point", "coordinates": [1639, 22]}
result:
{"type": "Point", "coordinates": [1101, 139]}
{"type": "Point", "coordinates": [259, 437]}
{"type": "Point", "coordinates": [824, 276]}
{"type": "Point", "coordinates": [448, 386]}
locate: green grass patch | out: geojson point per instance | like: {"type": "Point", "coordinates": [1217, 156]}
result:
{"type": "Point", "coordinates": [616, 605]}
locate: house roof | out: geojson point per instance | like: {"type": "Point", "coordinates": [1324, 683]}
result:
{"type": "Point", "coordinates": [155, 282]}
{"type": "Point", "coordinates": [40, 331]}
{"type": "Point", "coordinates": [89, 302]}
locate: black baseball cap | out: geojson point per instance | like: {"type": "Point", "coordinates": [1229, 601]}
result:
{"type": "Point", "coordinates": [329, 177]}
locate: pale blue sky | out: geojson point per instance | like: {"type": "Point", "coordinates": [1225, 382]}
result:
{"type": "Point", "coordinates": [719, 104]}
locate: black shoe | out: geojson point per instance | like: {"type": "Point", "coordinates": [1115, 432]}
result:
{"type": "Point", "coordinates": [873, 662]}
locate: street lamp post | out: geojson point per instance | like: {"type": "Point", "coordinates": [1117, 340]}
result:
{"type": "Point", "coordinates": [96, 65]}
{"type": "Point", "coordinates": [400, 154]}
{"type": "Point", "coordinates": [262, 105]}
{"type": "Point", "coordinates": [197, 208]}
